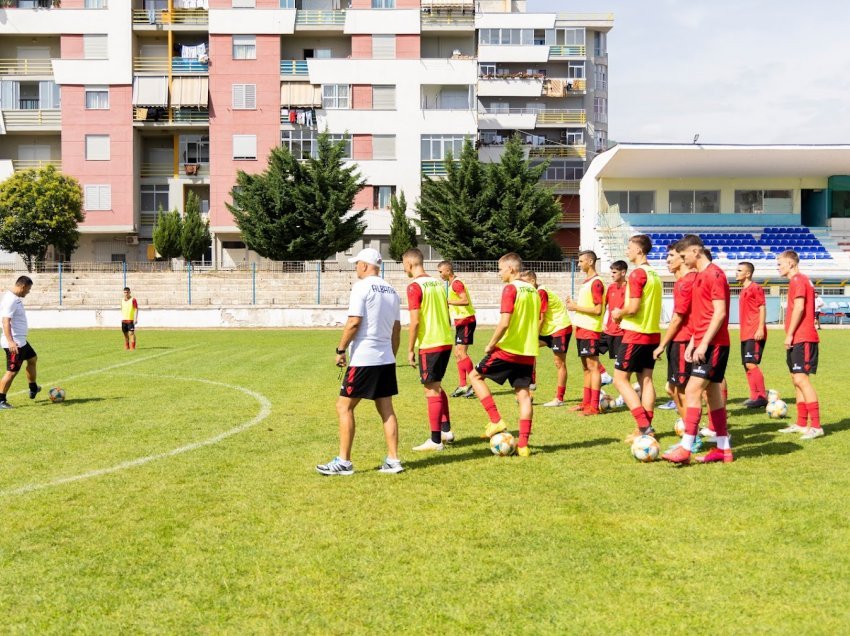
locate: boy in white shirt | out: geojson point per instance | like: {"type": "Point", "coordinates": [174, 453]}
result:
{"type": "Point", "coordinates": [14, 339]}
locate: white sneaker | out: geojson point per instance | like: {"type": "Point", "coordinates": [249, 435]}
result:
{"type": "Point", "coordinates": [618, 402]}
{"type": "Point", "coordinates": [532, 387]}
{"type": "Point", "coordinates": [607, 379]}
{"type": "Point", "coordinates": [555, 402]}
{"type": "Point", "coordinates": [391, 466]}
{"type": "Point", "coordinates": [794, 428]}
{"type": "Point", "coordinates": [812, 433]}
{"type": "Point", "coordinates": [429, 446]}
{"type": "Point", "coordinates": [707, 433]}
{"type": "Point", "coordinates": [447, 437]}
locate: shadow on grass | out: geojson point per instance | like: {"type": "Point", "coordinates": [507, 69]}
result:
{"type": "Point", "coordinates": [764, 439]}
{"type": "Point", "coordinates": [77, 401]}
{"type": "Point", "coordinates": [554, 448]}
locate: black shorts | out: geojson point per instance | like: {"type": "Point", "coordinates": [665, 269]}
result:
{"type": "Point", "coordinates": [609, 344]}
{"type": "Point", "coordinates": [678, 369]}
{"type": "Point", "coordinates": [128, 326]}
{"type": "Point", "coordinates": [432, 365]}
{"type": "Point", "coordinates": [803, 358]}
{"type": "Point", "coordinates": [464, 333]}
{"type": "Point", "coordinates": [519, 375]}
{"type": "Point", "coordinates": [369, 383]}
{"type": "Point", "coordinates": [714, 367]}
{"type": "Point", "coordinates": [14, 361]}
{"type": "Point", "coordinates": [558, 342]}
{"type": "Point", "coordinates": [634, 358]}
{"type": "Point", "coordinates": [587, 348]}
{"type": "Point", "coordinates": [751, 351]}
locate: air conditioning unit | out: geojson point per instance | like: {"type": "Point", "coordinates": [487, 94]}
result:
{"type": "Point", "coordinates": [132, 240]}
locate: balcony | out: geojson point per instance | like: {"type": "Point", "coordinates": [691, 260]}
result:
{"type": "Point", "coordinates": [432, 168]}
{"type": "Point", "coordinates": [184, 65]}
{"type": "Point", "coordinates": [32, 119]}
{"type": "Point", "coordinates": [20, 165]}
{"type": "Point", "coordinates": [294, 68]}
{"type": "Point", "coordinates": [23, 66]}
{"type": "Point", "coordinates": [562, 186]}
{"type": "Point", "coordinates": [446, 18]}
{"type": "Point", "coordinates": [553, 152]}
{"type": "Point", "coordinates": [142, 17]}
{"type": "Point", "coordinates": [150, 65]}
{"type": "Point", "coordinates": [319, 18]}
{"type": "Point", "coordinates": [200, 116]}
{"type": "Point", "coordinates": [495, 86]}
{"type": "Point", "coordinates": [507, 119]}
{"type": "Point", "coordinates": [569, 52]}
{"type": "Point", "coordinates": [562, 117]}
{"type": "Point", "coordinates": [166, 170]}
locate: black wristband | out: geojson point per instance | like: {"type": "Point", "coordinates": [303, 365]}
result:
{"type": "Point", "coordinates": [340, 352]}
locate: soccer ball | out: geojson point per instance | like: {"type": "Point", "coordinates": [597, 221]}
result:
{"type": "Point", "coordinates": [679, 427]}
{"type": "Point", "coordinates": [503, 444]}
{"type": "Point", "coordinates": [772, 395]}
{"type": "Point", "coordinates": [56, 394]}
{"type": "Point", "coordinates": [604, 401]}
{"type": "Point", "coordinates": [636, 387]}
{"type": "Point", "coordinates": [777, 409]}
{"type": "Point", "coordinates": [645, 448]}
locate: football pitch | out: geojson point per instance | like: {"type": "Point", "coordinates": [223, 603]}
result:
{"type": "Point", "coordinates": [174, 491]}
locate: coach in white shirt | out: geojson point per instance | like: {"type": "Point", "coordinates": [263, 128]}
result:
{"type": "Point", "coordinates": [372, 331]}
{"type": "Point", "coordinates": [14, 339]}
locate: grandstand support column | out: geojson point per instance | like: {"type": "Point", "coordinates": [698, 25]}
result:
{"type": "Point", "coordinates": [253, 283]}
{"type": "Point", "coordinates": [60, 283]}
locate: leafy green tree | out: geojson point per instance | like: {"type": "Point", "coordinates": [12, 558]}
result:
{"type": "Point", "coordinates": [482, 211]}
{"type": "Point", "coordinates": [402, 231]}
{"type": "Point", "coordinates": [300, 210]}
{"type": "Point", "coordinates": [167, 233]}
{"type": "Point", "coordinates": [40, 208]}
{"type": "Point", "coordinates": [195, 233]}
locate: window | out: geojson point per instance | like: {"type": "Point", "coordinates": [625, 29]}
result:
{"type": "Point", "coordinates": [600, 109]}
{"type": "Point", "coordinates": [601, 77]}
{"type": "Point", "coordinates": [573, 137]}
{"type": "Point", "coordinates": [563, 171]}
{"type": "Point", "coordinates": [287, 4]}
{"type": "Point", "coordinates": [694, 201]}
{"type": "Point", "coordinates": [244, 97]}
{"type": "Point", "coordinates": [244, 47]}
{"type": "Point", "coordinates": [303, 142]}
{"type": "Point", "coordinates": [98, 197]}
{"type": "Point", "coordinates": [336, 96]}
{"type": "Point", "coordinates": [381, 196]}
{"type": "Point", "coordinates": [243, 4]}
{"type": "Point", "coordinates": [383, 97]}
{"type": "Point", "coordinates": [601, 141]}
{"type": "Point", "coordinates": [383, 146]}
{"type": "Point", "coordinates": [95, 4]}
{"type": "Point", "coordinates": [435, 147]}
{"type": "Point", "coordinates": [763, 201]}
{"type": "Point", "coordinates": [486, 69]}
{"type": "Point", "coordinates": [631, 201]}
{"type": "Point", "coordinates": [600, 44]}
{"type": "Point", "coordinates": [94, 47]}
{"type": "Point", "coordinates": [97, 97]}
{"type": "Point", "coordinates": [575, 70]}
{"type": "Point", "coordinates": [245, 147]}
{"type": "Point", "coordinates": [383, 4]}
{"type": "Point", "coordinates": [509, 37]}
{"type": "Point", "coordinates": [383, 47]}
{"type": "Point", "coordinates": [195, 148]}
{"type": "Point", "coordinates": [574, 37]}
{"type": "Point", "coordinates": [153, 198]}
{"type": "Point", "coordinates": [97, 147]}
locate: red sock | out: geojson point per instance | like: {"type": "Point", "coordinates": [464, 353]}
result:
{"type": "Point", "coordinates": [524, 432]}
{"type": "Point", "coordinates": [649, 416]}
{"type": "Point", "coordinates": [814, 413]}
{"type": "Point", "coordinates": [445, 424]}
{"type": "Point", "coordinates": [594, 398]}
{"type": "Point", "coordinates": [718, 418]}
{"type": "Point", "coordinates": [601, 368]}
{"type": "Point", "coordinates": [692, 418]}
{"type": "Point", "coordinates": [751, 382]}
{"type": "Point", "coordinates": [490, 406]}
{"type": "Point", "coordinates": [640, 417]}
{"type": "Point", "coordinates": [585, 398]}
{"type": "Point", "coordinates": [461, 372]}
{"type": "Point", "coordinates": [133, 345]}
{"type": "Point", "coordinates": [561, 391]}
{"type": "Point", "coordinates": [761, 391]}
{"type": "Point", "coordinates": [435, 411]}
{"type": "Point", "coordinates": [802, 413]}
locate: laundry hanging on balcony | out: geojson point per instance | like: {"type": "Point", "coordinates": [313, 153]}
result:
{"type": "Point", "coordinates": [190, 91]}
{"type": "Point", "coordinates": [150, 91]}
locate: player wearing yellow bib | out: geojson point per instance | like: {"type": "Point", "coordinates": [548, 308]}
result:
{"type": "Point", "coordinates": [589, 310]}
{"type": "Point", "coordinates": [511, 352]}
{"type": "Point", "coordinates": [129, 318]}
{"type": "Point", "coordinates": [462, 312]}
{"type": "Point", "coordinates": [430, 330]}
{"type": "Point", "coordinates": [640, 319]}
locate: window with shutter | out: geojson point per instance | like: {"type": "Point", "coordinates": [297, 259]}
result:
{"type": "Point", "coordinates": [244, 96]}
{"type": "Point", "coordinates": [383, 47]}
{"type": "Point", "coordinates": [383, 97]}
{"type": "Point", "coordinates": [245, 147]}
{"type": "Point", "coordinates": [98, 197]}
{"type": "Point", "coordinates": [94, 47]}
{"type": "Point", "coordinates": [383, 146]}
{"type": "Point", "coordinates": [97, 147]}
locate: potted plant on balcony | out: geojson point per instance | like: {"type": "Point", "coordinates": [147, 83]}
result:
{"type": "Point", "coordinates": [191, 169]}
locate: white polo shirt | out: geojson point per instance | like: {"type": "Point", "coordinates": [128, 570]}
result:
{"type": "Point", "coordinates": [12, 306]}
{"type": "Point", "coordinates": [377, 304]}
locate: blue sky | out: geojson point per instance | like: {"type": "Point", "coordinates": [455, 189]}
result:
{"type": "Point", "coordinates": [745, 71]}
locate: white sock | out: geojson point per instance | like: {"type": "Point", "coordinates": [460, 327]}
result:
{"type": "Point", "coordinates": [688, 442]}
{"type": "Point", "coordinates": [723, 443]}
{"type": "Point", "coordinates": [393, 460]}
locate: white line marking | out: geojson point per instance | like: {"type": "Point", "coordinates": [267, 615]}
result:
{"type": "Point", "coordinates": [265, 411]}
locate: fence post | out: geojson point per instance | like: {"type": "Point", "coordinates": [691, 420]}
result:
{"type": "Point", "coordinates": [60, 283]}
{"type": "Point", "coordinates": [124, 268]}
{"type": "Point", "coordinates": [253, 283]}
{"type": "Point", "coordinates": [572, 278]}
{"type": "Point", "coordinates": [382, 268]}
{"type": "Point", "coordinates": [189, 279]}
{"type": "Point", "coordinates": [318, 283]}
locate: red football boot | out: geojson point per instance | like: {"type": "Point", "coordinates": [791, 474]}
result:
{"type": "Point", "coordinates": [716, 455]}
{"type": "Point", "coordinates": [677, 455]}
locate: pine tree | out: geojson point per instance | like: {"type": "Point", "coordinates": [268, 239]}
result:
{"type": "Point", "coordinates": [402, 231]}
{"type": "Point", "coordinates": [195, 234]}
{"type": "Point", "coordinates": [167, 233]}
{"type": "Point", "coordinates": [300, 210]}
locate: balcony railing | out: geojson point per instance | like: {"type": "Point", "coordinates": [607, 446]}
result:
{"type": "Point", "coordinates": [189, 65]}
{"type": "Point", "coordinates": [153, 170]}
{"type": "Point", "coordinates": [555, 117]}
{"type": "Point", "coordinates": [434, 168]}
{"type": "Point", "coordinates": [578, 50]}
{"type": "Point", "coordinates": [295, 68]}
{"type": "Point", "coordinates": [561, 186]}
{"type": "Point", "coordinates": [29, 118]}
{"type": "Point", "coordinates": [319, 18]}
{"type": "Point", "coordinates": [150, 65]}
{"type": "Point", "coordinates": [448, 19]}
{"type": "Point", "coordinates": [557, 151]}
{"type": "Point", "coordinates": [30, 164]}
{"type": "Point", "coordinates": [178, 115]}
{"type": "Point", "coordinates": [23, 66]}
{"type": "Point", "coordinates": [175, 16]}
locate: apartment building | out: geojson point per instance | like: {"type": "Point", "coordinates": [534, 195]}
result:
{"type": "Point", "coordinates": [145, 101]}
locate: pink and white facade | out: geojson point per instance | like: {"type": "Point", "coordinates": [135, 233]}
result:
{"type": "Point", "coordinates": [146, 103]}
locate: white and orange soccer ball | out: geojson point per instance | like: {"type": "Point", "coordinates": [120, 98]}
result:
{"type": "Point", "coordinates": [604, 401]}
{"type": "Point", "coordinates": [777, 409]}
{"type": "Point", "coordinates": [645, 448]}
{"type": "Point", "coordinates": [679, 427]}
{"type": "Point", "coordinates": [56, 394]}
{"type": "Point", "coordinates": [503, 444]}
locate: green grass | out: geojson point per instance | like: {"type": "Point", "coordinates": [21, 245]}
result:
{"type": "Point", "coordinates": [242, 536]}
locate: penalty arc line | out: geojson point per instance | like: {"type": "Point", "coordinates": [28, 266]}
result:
{"type": "Point", "coordinates": [265, 411]}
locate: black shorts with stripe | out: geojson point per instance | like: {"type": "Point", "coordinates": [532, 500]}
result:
{"type": "Point", "coordinates": [678, 369]}
{"type": "Point", "coordinates": [714, 367]}
{"type": "Point", "coordinates": [464, 333]}
{"type": "Point", "coordinates": [558, 342]}
{"type": "Point", "coordinates": [634, 358]}
{"type": "Point", "coordinates": [587, 348]}
{"type": "Point", "coordinates": [803, 358]}
{"type": "Point", "coordinates": [609, 344]}
{"type": "Point", "coordinates": [751, 351]}
{"type": "Point", "coordinates": [369, 383]}
{"type": "Point", "coordinates": [128, 326]}
{"type": "Point", "coordinates": [433, 365]}
{"type": "Point", "coordinates": [519, 375]}
{"type": "Point", "coordinates": [14, 361]}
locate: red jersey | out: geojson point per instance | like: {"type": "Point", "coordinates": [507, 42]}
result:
{"type": "Point", "coordinates": [683, 294]}
{"type": "Point", "coordinates": [749, 302]}
{"type": "Point", "coordinates": [801, 287]}
{"type": "Point", "coordinates": [709, 285]}
{"type": "Point", "coordinates": [637, 281]}
{"type": "Point", "coordinates": [615, 297]}
{"type": "Point", "coordinates": [597, 289]}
